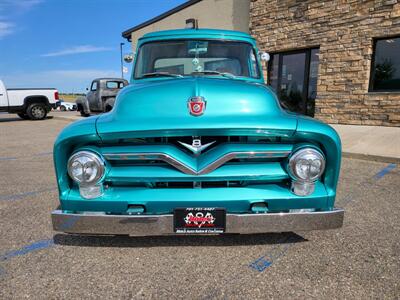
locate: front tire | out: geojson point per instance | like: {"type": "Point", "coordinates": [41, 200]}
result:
{"type": "Point", "coordinates": [23, 116]}
{"type": "Point", "coordinates": [83, 114]}
{"type": "Point", "coordinates": [36, 111]}
{"type": "Point", "coordinates": [108, 105]}
{"type": "Point", "coordinates": [62, 108]}
{"type": "Point", "coordinates": [80, 108]}
{"type": "Point", "coordinates": [108, 108]}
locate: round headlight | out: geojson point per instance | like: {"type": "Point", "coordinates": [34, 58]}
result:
{"type": "Point", "coordinates": [306, 164]}
{"type": "Point", "coordinates": [85, 167]}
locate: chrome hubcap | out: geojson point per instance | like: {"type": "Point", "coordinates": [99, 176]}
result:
{"type": "Point", "coordinates": [38, 112]}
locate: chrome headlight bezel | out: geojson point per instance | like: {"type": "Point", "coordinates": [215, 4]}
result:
{"type": "Point", "coordinates": [94, 157]}
{"type": "Point", "coordinates": [305, 154]}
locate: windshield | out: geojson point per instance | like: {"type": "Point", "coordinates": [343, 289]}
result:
{"type": "Point", "coordinates": [196, 57]}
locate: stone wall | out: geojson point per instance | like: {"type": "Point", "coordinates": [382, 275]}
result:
{"type": "Point", "coordinates": [344, 31]}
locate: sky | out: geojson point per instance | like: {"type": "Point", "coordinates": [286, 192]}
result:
{"type": "Point", "coordinates": [66, 43]}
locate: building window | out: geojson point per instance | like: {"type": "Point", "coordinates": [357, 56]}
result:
{"type": "Point", "coordinates": [385, 69]}
{"type": "Point", "coordinates": [293, 75]}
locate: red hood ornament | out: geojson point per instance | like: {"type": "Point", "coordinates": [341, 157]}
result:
{"type": "Point", "coordinates": [196, 106]}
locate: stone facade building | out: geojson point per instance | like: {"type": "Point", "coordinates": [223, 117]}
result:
{"type": "Point", "coordinates": [345, 36]}
{"type": "Point", "coordinates": [336, 60]}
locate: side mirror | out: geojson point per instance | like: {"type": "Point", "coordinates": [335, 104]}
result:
{"type": "Point", "coordinates": [87, 89]}
{"type": "Point", "coordinates": [128, 58]}
{"type": "Point", "coordinates": [264, 56]}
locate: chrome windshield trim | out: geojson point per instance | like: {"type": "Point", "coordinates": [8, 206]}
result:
{"type": "Point", "coordinates": [189, 170]}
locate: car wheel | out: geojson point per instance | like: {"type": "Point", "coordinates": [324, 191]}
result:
{"type": "Point", "coordinates": [108, 108]}
{"type": "Point", "coordinates": [23, 116]}
{"type": "Point", "coordinates": [83, 114]}
{"type": "Point", "coordinates": [62, 108]}
{"type": "Point", "coordinates": [108, 105]}
{"type": "Point", "coordinates": [82, 111]}
{"type": "Point", "coordinates": [36, 111]}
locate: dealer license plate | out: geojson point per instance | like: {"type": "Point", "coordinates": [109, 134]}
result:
{"type": "Point", "coordinates": [199, 220]}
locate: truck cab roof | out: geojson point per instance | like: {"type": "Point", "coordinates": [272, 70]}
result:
{"type": "Point", "coordinates": [108, 79]}
{"type": "Point", "coordinates": [198, 33]}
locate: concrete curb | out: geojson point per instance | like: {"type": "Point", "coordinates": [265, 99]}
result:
{"type": "Point", "coordinates": [370, 157]}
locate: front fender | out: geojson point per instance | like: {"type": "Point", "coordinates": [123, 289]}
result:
{"type": "Point", "coordinates": [83, 103]}
{"type": "Point", "coordinates": [76, 135]}
{"type": "Point", "coordinates": [323, 135]}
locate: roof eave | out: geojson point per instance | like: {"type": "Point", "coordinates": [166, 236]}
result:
{"type": "Point", "coordinates": [128, 33]}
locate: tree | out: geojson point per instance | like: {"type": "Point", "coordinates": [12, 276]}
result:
{"type": "Point", "coordinates": [384, 71]}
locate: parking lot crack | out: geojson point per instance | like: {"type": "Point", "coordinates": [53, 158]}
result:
{"type": "Point", "coordinates": [24, 195]}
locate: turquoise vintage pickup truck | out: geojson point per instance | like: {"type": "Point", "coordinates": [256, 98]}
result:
{"type": "Point", "coordinates": [196, 144]}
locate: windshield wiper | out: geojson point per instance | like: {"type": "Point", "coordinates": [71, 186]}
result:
{"type": "Point", "coordinates": [157, 74]}
{"type": "Point", "coordinates": [211, 72]}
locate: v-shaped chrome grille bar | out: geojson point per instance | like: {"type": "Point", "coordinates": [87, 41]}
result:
{"type": "Point", "coordinates": [206, 169]}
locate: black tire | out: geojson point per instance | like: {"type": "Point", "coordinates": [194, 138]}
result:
{"type": "Point", "coordinates": [83, 114]}
{"type": "Point", "coordinates": [108, 105]}
{"type": "Point", "coordinates": [108, 108]}
{"type": "Point", "coordinates": [62, 108]}
{"type": "Point", "coordinates": [82, 111]}
{"type": "Point", "coordinates": [36, 111]}
{"type": "Point", "coordinates": [23, 116]}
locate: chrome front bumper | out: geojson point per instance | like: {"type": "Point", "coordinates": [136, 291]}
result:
{"type": "Point", "coordinates": [142, 225]}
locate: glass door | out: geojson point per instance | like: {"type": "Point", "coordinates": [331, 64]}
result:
{"type": "Point", "coordinates": [293, 75]}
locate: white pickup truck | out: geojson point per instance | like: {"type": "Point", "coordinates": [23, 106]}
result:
{"type": "Point", "coordinates": [31, 104]}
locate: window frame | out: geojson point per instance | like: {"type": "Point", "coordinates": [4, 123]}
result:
{"type": "Point", "coordinates": [117, 82]}
{"type": "Point", "coordinates": [94, 83]}
{"type": "Point", "coordinates": [372, 67]}
{"type": "Point", "coordinates": [254, 49]}
{"type": "Point", "coordinates": [307, 52]}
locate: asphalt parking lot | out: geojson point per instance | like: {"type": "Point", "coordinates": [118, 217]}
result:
{"type": "Point", "coordinates": [360, 260]}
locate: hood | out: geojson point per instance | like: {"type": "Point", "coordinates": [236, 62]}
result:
{"type": "Point", "coordinates": [162, 105]}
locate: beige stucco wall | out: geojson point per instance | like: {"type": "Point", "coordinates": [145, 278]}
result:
{"type": "Point", "coordinates": [219, 14]}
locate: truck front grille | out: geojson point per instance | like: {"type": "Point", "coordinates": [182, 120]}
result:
{"type": "Point", "coordinates": [164, 163]}
{"type": "Point", "coordinates": [193, 167]}
{"type": "Point", "coordinates": [216, 140]}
